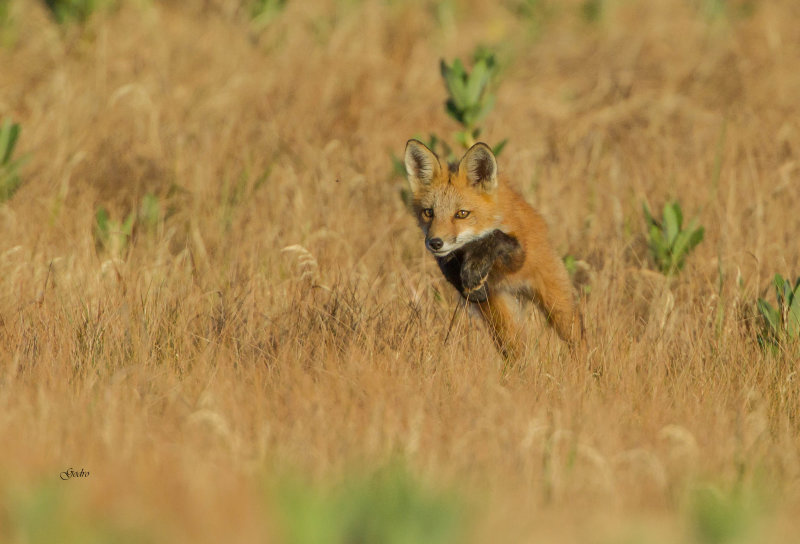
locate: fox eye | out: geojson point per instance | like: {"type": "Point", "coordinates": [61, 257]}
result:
{"type": "Point", "coordinates": [461, 214]}
{"type": "Point", "coordinates": [428, 212]}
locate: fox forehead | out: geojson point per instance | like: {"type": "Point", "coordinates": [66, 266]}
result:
{"type": "Point", "coordinates": [442, 197]}
{"type": "Point", "coordinates": [450, 190]}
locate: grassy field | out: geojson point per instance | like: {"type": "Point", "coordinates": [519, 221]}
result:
{"type": "Point", "coordinates": [213, 299]}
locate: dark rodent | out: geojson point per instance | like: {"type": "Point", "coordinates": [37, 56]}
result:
{"type": "Point", "coordinates": [468, 268]}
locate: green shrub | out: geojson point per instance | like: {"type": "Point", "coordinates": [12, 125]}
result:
{"type": "Point", "coordinates": [262, 12]}
{"type": "Point", "coordinates": [391, 507]}
{"type": "Point", "coordinates": [66, 11]}
{"type": "Point", "coordinates": [469, 102]}
{"type": "Point", "coordinates": [5, 20]}
{"type": "Point", "coordinates": [534, 12]}
{"type": "Point", "coordinates": [150, 212]}
{"type": "Point", "coordinates": [726, 9]}
{"type": "Point", "coordinates": [720, 517]}
{"type": "Point", "coordinates": [668, 241]}
{"type": "Point", "coordinates": [10, 180]}
{"type": "Point", "coordinates": [113, 236]}
{"type": "Point", "coordinates": [44, 513]}
{"type": "Point", "coordinates": [781, 325]}
{"type": "Point", "coordinates": [592, 10]}
{"type": "Point", "coordinates": [469, 97]}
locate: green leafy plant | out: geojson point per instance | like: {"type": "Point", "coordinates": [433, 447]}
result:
{"type": "Point", "coordinates": [263, 12]}
{"type": "Point", "coordinates": [150, 212]}
{"type": "Point", "coordinates": [470, 99]}
{"type": "Point", "coordinates": [9, 168]}
{"type": "Point", "coordinates": [534, 12]}
{"type": "Point", "coordinates": [113, 236]}
{"type": "Point", "coordinates": [782, 324]}
{"type": "Point", "coordinates": [7, 35]}
{"type": "Point", "coordinates": [65, 11]}
{"type": "Point", "coordinates": [719, 517]}
{"type": "Point", "coordinates": [46, 512]}
{"type": "Point", "coordinates": [5, 11]}
{"type": "Point", "coordinates": [390, 507]}
{"type": "Point", "coordinates": [592, 10]}
{"type": "Point", "coordinates": [668, 241]}
{"type": "Point", "coordinates": [726, 9]}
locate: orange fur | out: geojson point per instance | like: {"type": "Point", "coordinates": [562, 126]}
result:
{"type": "Point", "coordinates": [439, 193]}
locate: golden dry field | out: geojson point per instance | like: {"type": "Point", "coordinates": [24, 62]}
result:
{"type": "Point", "coordinates": [248, 344]}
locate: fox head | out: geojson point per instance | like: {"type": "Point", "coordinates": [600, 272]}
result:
{"type": "Point", "coordinates": [456, 204]}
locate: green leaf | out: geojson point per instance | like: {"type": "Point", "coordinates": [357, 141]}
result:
{"type": "Point", "coordinates": [696, 238]}
{"type": "Point", "coordinates": [676, 207]}
{"type": "Point", "coordinates": [398, 166]}
{"type": "Point", "coordinates": [592, 10]}
{"type": "Point", "coordinates": [770, 315]}
{"type": "Point", "coordinates": [793, 315]}
{"type": "Point", "coordinates": [657, 238]}
{"type": "Point", "coordinates": [671, 223]}
{"type": "Point", "coordinates": [788, 294]}
{"type": "Point", "coordinates": [569, 264]}
{"type": "Point", "coordinates": [458, 91]}
{"type": "Point", "coordinates": [8, 140]}
{"type": "Point", "coordinates": [453, 80]}
{"type": "Point", "coordinates": [150, 211]}
{"type": "Point", "coordinates": [795, 295]}
{"type": "Point", "coordinates": [477, 82]}
{"type": "Point", "coordinates": [458, 69]}
{"type": "Point", "coordinates": [780, 289]}
{"type": "Point", "coordinates": [484, 54]}
{"type": "Point", "coordinates": [498, 148]}
{"type": "Point", "coordinates": [793, 322]}
{"type": "Point", "coordinates": [454, 111]}
{"type": "Point", "coordinates": [657, 242]}
{"type": "Point", "coordinates": [680, 246]}
{"type": "Point", "coordinates": [659, 249]}
{"type": "Point", "coordinates": [101, 220]}
{"type": "Point", "coordinates": [685, 242]}
{"type": "Point", "coordinates": [479, 111]}
{"type": "Point", "coordinates": [127, 227]}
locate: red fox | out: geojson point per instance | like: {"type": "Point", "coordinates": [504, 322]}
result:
{"type": "Point", "coordinates": [490, 244]}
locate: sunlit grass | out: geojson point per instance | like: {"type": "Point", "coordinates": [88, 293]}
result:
{"type": "Point", "coordinates": [270, 309]}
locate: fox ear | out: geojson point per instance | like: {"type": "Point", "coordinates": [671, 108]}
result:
{"type": "Point", "coordinates": [480, 166]}
{"type": "Point", "coordinates": [422, 165]}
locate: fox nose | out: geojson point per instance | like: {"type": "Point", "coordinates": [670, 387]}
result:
{"type": "Point", "coordinates": [435, 244]}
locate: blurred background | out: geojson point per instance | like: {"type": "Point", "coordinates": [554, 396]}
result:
{"type": "Point", "coordinates": [214, 299]}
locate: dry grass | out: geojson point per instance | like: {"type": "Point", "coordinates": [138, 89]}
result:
{"type": "Point", "coordinates": [283, 316]}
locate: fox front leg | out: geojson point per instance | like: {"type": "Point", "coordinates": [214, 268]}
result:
{"type": "Point", "coordinates": [481, 256]}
